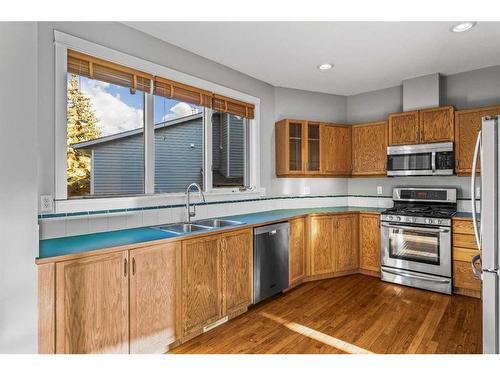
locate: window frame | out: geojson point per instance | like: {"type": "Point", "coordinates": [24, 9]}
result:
{"type": "Point", "coordinates": [63, 42]}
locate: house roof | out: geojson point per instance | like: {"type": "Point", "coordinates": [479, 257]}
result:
{"type": "Point", "coordinates": [129, 133]}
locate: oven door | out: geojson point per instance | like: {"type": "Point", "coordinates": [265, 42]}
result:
{"type": "Point", "coordinates": [416, 248]}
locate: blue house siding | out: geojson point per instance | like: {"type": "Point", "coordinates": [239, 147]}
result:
{"type": "Point", "coordinates": [119, 166]}
{"type": "Point", "coordinates": [178, 156]}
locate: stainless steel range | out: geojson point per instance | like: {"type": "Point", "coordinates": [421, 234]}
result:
{"type": "Point", "coordinates": [416, 238]}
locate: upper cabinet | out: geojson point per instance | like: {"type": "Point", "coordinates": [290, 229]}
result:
{"type": "Point", "coordinates": [467, 126]}
{"type": "Point", "coordinates": [336, 149]}
{"type": "Point", "coordinates": [403, 128]}
{"type": "Point", "coordinates": [436, 124]}
{"type": "Point", "coordinates": [369, 149]}
{"type": "Point", "coordinates": [423, 126]}
{"type": "Point", "coordinates": [308, 148]}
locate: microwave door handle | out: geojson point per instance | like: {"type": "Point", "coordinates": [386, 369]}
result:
{"type": "Point", "coordinates": [433, 162]}
{"type": "Point", "coordinates": [475, 223]}
{"type": "Point", "coordinates": [421, 229]}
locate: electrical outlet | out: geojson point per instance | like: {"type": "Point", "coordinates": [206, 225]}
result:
{"type": "Point", "coordinates": [46, 203]}
{"type": "Point", "coordinates": [478, 192]}
{"type": "Point", "coordinates": [379, 190]}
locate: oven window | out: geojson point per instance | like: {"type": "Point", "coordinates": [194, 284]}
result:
{"type": "Point", "coordinates": [414, 245]}
{"type": "Point", "coordinates": [410, 162]}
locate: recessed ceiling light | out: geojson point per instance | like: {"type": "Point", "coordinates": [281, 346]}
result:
{"type": "Point", "coordinates": [325, 66]}
{"type": "Point", "coordinates": [464, 26]}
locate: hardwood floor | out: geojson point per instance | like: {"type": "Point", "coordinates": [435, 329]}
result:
{"type": "Point", "coordinates": [350, 314]}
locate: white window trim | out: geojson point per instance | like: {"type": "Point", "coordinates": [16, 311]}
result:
{"type": "Point", "coordinates": [63, 42]}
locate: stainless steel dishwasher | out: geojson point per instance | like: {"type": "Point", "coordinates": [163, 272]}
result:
{"type": "Point", "coordinates": [270, 260]}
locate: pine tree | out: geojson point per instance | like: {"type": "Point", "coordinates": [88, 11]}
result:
{"type": "Point", "coordinates": [83, 125]}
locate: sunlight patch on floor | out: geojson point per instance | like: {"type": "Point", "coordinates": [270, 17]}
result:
{"type": "Point", "coordinates": [317, 335]}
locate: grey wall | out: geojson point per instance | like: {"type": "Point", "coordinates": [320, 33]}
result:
{"type": "Point", "coordinates": [18, 191]}
{"type": "Point", "coordinates": [374, 105]}
{"type": "Point", "coordinates": [476, 88]}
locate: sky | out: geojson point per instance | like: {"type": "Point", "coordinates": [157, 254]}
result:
{"type": "Point", "coordinates": [118, 110]}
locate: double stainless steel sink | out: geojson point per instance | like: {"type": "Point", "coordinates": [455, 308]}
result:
{"type": "Point", "coordinates": [196, 226]}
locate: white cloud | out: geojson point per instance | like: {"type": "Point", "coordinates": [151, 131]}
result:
{"type": "Point", "coordinates": [114, 115]}
{"type": "Point", "coordinates": [181, 109]}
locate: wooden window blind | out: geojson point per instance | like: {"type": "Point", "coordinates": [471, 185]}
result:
{"type": "Point", "coordinates": [179, 91]}
{"type": "Point", "coordinates": [232, 106]}
{"type": "Point", "coordinates": [95, 68]}
{"type": "Point", "coordinates": [102, 70]}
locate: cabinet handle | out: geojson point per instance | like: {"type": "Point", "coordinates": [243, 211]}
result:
{"type": "Point", "coordinates": [133, 266]}
{"type": "Point", "coordinates": [125, 267]}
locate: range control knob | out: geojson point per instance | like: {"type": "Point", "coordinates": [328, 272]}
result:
{"type": "Point", "coordinates": [398, 218]}
{"type": "Point", "coordinates": [440, 221]}
{"type": "Point", "coordinates": [428, 221]}
{"type": "Point", "coordinates": [414, 219]}
{"type": "Point", "coordinates": [389, 217]}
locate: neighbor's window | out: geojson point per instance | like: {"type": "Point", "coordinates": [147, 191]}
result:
{"type": "Point", "coordinates": [228, 150]}
{"type": "Point", "coordinates": [105, 137]}
{"type": "Point", "coordinates": [179, 149]}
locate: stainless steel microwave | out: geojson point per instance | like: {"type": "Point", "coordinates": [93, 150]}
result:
{"type": "Point", "coordinates": [421, 160]}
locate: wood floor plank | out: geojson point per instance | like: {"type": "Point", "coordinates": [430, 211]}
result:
{"type": "Point", "coordinates": [350, 314]}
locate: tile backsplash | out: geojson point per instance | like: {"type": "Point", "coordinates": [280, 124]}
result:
{"type": "Point", "coordinates": [63, 225]}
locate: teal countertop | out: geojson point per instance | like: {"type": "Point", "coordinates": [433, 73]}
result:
{"type": "Point", "coordinates": [465, 215]}
{"type": "Point", "coordinates": [96, 241]}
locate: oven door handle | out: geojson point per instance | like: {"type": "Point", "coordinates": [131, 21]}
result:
{"type": "Point", "coordinates": [421, 229]}
{"type": "Point", "coordinates": [426, 278]}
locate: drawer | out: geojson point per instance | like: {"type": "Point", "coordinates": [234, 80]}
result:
{"type": "Point", "coordinates": [464, 254]}
{"type": "Point", "coordinates": [463, 226]}
{"type": "Point", "coordinates": [463, 276]}
{"type": "Point", "coordinates": [464, 240]}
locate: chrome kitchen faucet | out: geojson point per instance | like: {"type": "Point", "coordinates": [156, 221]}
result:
{"type": "Point", "coordinates": [189, 213]}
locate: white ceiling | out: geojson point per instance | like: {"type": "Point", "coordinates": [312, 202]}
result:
{"type": "Point", "coordinates": [367, 55]}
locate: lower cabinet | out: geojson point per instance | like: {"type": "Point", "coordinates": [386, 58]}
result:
{"type": "Point", "coordinates": [92, 305]}
{"type": "Point", "coordinates": [121, 302]}
{"type": "Point", "coordinates": [237, 275]}
{"type": "Point", "coordinates": [464, 249]}
{"type": "Point", "coordinates": [333, 244]}
{"type": "Point", "coordinates": [154, 282]}
{"type": "Point", "coordinates": [201, 283]}
{"type": "Point", "coordinates": [297, 251]}
{"type": "Point", "coordinates": [345, 243]}
{"type": "Point", "coordinates": [216, 278]}
{"type": "Point", "coordinates": [369, 242]}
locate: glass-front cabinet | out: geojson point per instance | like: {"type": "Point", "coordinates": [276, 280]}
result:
{"type": "Point", "coordinates": [297, 147]}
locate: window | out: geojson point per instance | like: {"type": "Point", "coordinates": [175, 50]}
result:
{"type": "Point", "coordinates": [228, 150]}
{"type": "Point", "coordinates": [105, 137]}
{"type": "Point", "coordinates": [128, 132]}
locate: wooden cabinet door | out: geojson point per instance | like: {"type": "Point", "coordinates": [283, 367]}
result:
{"type": "Point", "coordinates": [467, 126]}
{"type": "Point", "coordinates": [369, 242]}
{"type": "Point", "coordinates": [436, 124]}
{"type": "Point", "coordinates": [404, 128]}
{"type": "Point", "coordinates": [369, 149]}
{"type": "Point", "coordinates": [321, 240]}
{"type": "Point", "coordinates": [153, 297]}
{"type": "Point", "coordinates": [237, 270]}
{"type": "Point", "coordinates": [312, 162]}
{"type": "Point", "coordinates": [290, 147]}
{"type": "Point", "coordinates": [345, 243]}
{"type": "Point", "coordinates": [297, 251]}
{"type": "Point", "coordinates": [335, 149]}
{"type": "Point", "coordinates": [201, 272]}
{"type": "Point", "coordinates": [92, 304]}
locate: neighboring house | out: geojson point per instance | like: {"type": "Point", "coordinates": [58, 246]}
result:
{"type": "Point", "coordinates": [118, 160]}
